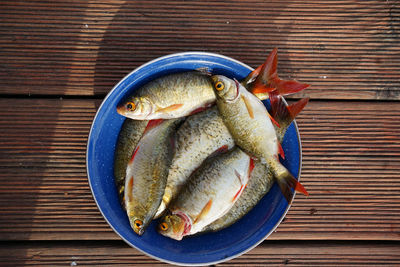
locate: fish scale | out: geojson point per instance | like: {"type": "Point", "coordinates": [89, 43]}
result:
{"type": "Point", "coordinates": [147, 171]}
{"type": "Point", "coordinates": [129, 136]}
{"type": "Point", "coordinates": [199, 136]}
{"type": "Point", "coordinates": [209, 193]}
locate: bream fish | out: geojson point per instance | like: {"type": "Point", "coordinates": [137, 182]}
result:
{"type": "Point", "coordinates": [171, 96]}
{"type": "Point", "coordinates": [199, 136]}
{"type": "Point", "coordinates": [261, 178]}
{"type": "Point", "coordinates": [251, 126]}
{"type": "Point", "coordinates": [147, 171]}
{"type": "Point", "coordinates": [209, 193]}
{"type": "Point", "coordinates": [129, 136]}
{"type": "Point", "coordinates": [260, 182]}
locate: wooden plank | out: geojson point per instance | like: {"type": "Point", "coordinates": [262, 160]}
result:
{"type": "Point", "coordinates": [271, 253]}
{"type": "Point", "coordinates": [351, 156]}
{"type": "Point", "coordinates": [346, 49]}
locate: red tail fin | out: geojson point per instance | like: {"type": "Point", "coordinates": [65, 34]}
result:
{"type": "Point", "coordinates": [286, 181]}
{"type": "Point", "coordinates": [283, 114]}
{"type": "Point", "coordinates": [268, 77]}
{"type": "Point", "coordinates": [286, 87]}
{"type": "Point", "coordinates": [297, 107]}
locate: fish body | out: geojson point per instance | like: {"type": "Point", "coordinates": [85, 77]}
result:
{"type": "Point", "coordinates": [261, 178]}
{"type": "Point", "coordinates": [199, 136]}
{"type": "Point", "coordinates": [247, 119]}
{"type": "Point", "coordinates": [147, 171]}
{"type": "Point", "coordinates": [171, 96]}
{"type": "Point", "coordinates": [252, 129]}
{"type": "Point", "coordinates": [129, 136]}
{"type": "Point", "coordinates": [260, 182]}
{"type": "Point", "coordinates": [210, 192]}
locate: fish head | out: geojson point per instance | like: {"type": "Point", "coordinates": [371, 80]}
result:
{"type": "Point", "coordinates": [174, 226]}
{"type": "Point", "coordinates": [225, 88]}
{"type": "Point", "coordinates": [137, 108]}
{"type": "Point", "coordinates": [139, 223]}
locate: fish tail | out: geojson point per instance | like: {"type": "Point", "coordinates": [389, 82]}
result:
{"type": "Point", "coordinates": [287, 182]}
{"type": "Point", "coordinates": [286, 87]}
{"type": "Point", "coordinates": [268, 80]}
{"type": "Point", "coordinates": [283, 114]}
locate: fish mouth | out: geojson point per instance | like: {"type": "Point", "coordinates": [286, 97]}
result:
{"type": "Point", "coordinates": [187, 223]}
{"type": "Point", "coordinates": [139, 231]}
{"type": "Point", "coordinates": [121, 110]}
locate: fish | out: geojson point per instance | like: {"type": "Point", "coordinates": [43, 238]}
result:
{"type": "Point", "coordinates": [252, 129]}
{"type": "Point", "coordinates": [261, 178]}
{"type": "Point", "coordinates": [129, 136]}
{"type": "Point", "coordinates": [260, 182]}
{"type": "Point", "coordinates": [200, 136]}
{"type": "Point", "coordinates": [171, 96]}
{"type": "Point", "coordinates": [176, 95]}
{"type": "Point", "coordinates": [147, 172]}
{"type": "Point", "coordinates": [209, 193]}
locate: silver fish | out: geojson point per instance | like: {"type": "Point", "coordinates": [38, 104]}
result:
{"type": "Point", "coordinates": [129, 136]}
{"type": "Point", "coordinates": [210, 192]}
{"type": "Point", "coordinates": [260, 182]}
{"type": "Point", "coordinates": [147, 172]}
{"type": "Point", "coordinates": [170, 96]}
{"type": "Point", "coordinates": [252, 129]}
{"type": "Point", "coordinates": [199, 136]}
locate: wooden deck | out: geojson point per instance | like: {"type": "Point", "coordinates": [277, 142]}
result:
{"type": "Point", "coordinates": [60, 58]}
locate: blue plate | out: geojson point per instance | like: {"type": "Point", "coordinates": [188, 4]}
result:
{"type": "Point", "coordinates": [210, 248]}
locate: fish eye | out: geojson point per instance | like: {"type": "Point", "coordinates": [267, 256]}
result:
{"type": "Point", "coordinates": [138, 223]}
{"type": "Point", "coordinates": [164, 226]}
{"type": "Point", "coordinates": [219, 86]}
{"type": "Point", "coordinates": [131, 106]}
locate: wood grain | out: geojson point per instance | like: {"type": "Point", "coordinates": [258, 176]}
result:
{"type": "Point", "coordinates": [271, 253]}
{"type": "Point", "coordinates": [346, 49]}
{"type": "Point", "coordinates": [351, 155]}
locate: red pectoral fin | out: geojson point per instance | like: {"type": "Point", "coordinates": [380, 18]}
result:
{"type": "Point", "coordinates": [151, 124]}
{"type": "Point", "coordinates": [204, 211]}
{"type": "Point", "coordinates": [170, 108]}
{"type": "Point", "coordinates": [248, 106]}
{"type": "Point", "coordinates": [238, 192]}
{"type": "Point", "coordinates": [280, 151]}
{"type": "Point", "coordinates": [129, 189]}
{"type": "Point", "coordinates": [134, 154]}
{"type": "Point", "coordinates": [251, 166]}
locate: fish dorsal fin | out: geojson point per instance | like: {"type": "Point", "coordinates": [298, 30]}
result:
{"type": "Point", "coordinates": [204, 211]}
{"type": "Point", "coordinates": [204, 70]}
